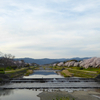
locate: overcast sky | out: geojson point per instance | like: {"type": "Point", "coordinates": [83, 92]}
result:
{"type": "Point", "coordinates": [50, 28]}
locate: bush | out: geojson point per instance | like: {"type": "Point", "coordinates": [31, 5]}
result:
{"type": "Point", "coordinates": [14, 67]}
{"type": "Point", "coordinates": [1, 69]}
{"type": "Point", "coordinates": [8, 68]}
{"type": "Point", "coordinates": [28, 72]}
{"type": "Point", "coordinates": [11, 68]}
{"type": "Point", "coordinates": [81, 68]}
{"type": "Point", "coordinates": [27, 65]}
{"type": "Point", "coordinates": [0, 79]}
{"type": "Point", "coordinates": [98, 72]}
{"type": "Point", "coordinates": [2, 72]}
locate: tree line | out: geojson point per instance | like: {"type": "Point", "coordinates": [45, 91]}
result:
{"type": "Point", "coordinates": [7, 61]}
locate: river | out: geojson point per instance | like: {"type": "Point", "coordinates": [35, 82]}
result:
{"type": "Point", "coordinates": [44, 74]}
{"type": "Point", "coordinates": [47, 94]}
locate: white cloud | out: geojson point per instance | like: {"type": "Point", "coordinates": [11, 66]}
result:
{"type": "Point", "coordinates": [52, 28]}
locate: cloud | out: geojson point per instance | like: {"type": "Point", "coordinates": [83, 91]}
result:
{"type": "Point", "coordinates": [50, 29]}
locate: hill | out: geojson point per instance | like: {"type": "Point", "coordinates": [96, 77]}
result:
{"type": "Point", "coordinates": [48, 61]}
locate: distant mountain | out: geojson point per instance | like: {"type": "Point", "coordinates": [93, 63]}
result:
{"type": "Point", "coordinates": [48, 61]}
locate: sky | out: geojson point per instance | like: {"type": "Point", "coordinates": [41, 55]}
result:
{"type": "Point", "coordinates": [50, 28]}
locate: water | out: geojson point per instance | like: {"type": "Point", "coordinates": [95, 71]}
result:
{"type": "Point", "coordinates": [44, 74]}
{"type": "Point", "coordinates": [18, 94]}
{"type": "Point", "coordinates": [46, 94]}
{"type": "Point", "coordinates": [25, 94]}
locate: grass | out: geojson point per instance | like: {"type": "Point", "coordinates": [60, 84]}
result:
{"type": "Point", "coordinates": [66, 73]}
{"type": "Point", "coordinates": [14, 71]}
{"type": "Point", "coordinates": [78, 71]}
{"type": "Point", "coordinates": [33, 67]}
{"type": "Point", "coordinates": [88, 69]}
{"type": "Point", "coordinates": [0, 79]}
{"type": "Point", "coordinates": [63, 98]}
{"type": "Point", "coordinates": [83, 70]}
{"type": "Point", "coordinates": [1, 69]}
{"type": "Point", "coordinates": [2, 72]}
{"type": "Point", "coordinates": [44, 67]}
{"type": "Point", "coordinates": [11, 68]}
{"type": "Point", "coordinates": [83, 73]}
{"type": "Point", "coordinates": [18, 72]}
{"type": "Point", "coordinates": [28, 72]}
{"type": "Point", "coordinates": [36, 68]}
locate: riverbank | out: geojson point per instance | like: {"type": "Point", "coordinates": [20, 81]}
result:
{"type": "Point", "coordinates": [66, 73]}
{"type": "Point", "coordinates": [76, 95]}
{"type": "Point", "coordinates": [16, 73]}
{"type": "Point", "coordinates": [77, 71]}
{"type": "Point", "coordinates": [28, 72]}
{"type": "Point", "coordinates": [83, 73]}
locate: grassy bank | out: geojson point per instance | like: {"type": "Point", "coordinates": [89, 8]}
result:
{"type": "Point", "coordinates": [28, 72]}
{"type": "Point", "coordinates": [14, 71]}
{"type": "Point", "coordinates": [21, 69]}
{"type": "Point", "coordinates": [88, 69]}
{"type": "Point", "coordinates": [33, 68]}
{"type": "Point", "coordinates": [2, 71]}
{"type": "Point", "coordinates": [63, 98]}
{"type": "Point", "coordinates": [78, 71]}
{"type": "Point", "coordinates": [83, 73]}
{"type": "Point", "coordinates": [66, 73]}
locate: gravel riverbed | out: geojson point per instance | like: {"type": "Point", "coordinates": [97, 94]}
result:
{"type": "Point", "coordinates": [76, 95]}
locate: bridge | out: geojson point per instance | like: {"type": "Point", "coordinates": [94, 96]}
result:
{"type": "Point", "coordinates": [51, 83]}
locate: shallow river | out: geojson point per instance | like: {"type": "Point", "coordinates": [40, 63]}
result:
{"type": "Point", "coordinates": [44, 74]}
{"type": "Point", "coordinates": [25, 94]}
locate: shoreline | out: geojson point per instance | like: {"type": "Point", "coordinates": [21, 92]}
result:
{"type": "Point", "coordinates": [76, 95]}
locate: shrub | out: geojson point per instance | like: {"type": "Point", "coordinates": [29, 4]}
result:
{"type": "Point", "coordinates": [28, 72]}
{"type": "Point", "coordinates": [2, 72]}
{"type": "Point", "coordinates": [14, 67]}
{"type": "Point", "coordinates": [1, 69]}
{"type": "Point", "coordinates": [98, 72]}
{"type": "Point", "coordinates": [8, 68]}
{"type": "Point", "coordinates": [81, 68]}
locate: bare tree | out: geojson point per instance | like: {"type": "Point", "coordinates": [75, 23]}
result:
{"type": "Point", "coordinates": [6, 60]}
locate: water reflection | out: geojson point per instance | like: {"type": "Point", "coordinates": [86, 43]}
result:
{"type": "Point", "coordinates": [18, 94]}
{"type": "Point", "coordinates": [49, 94]}
{"type": "Point", "coordinates": [44, 74]}
{"type": "Point", "coordinates": [6, 92]}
